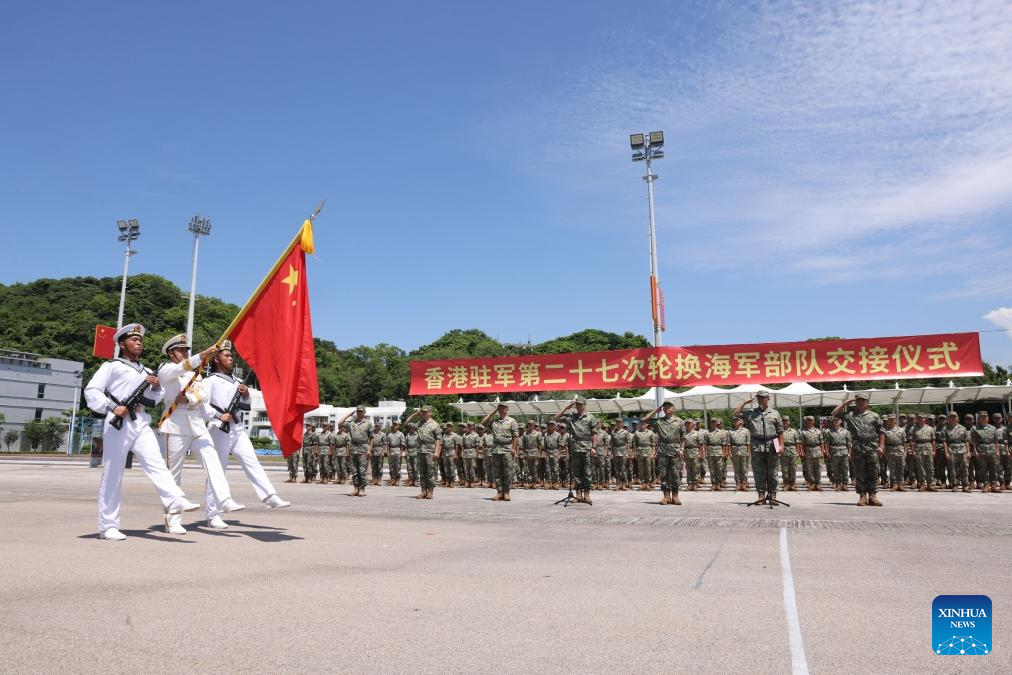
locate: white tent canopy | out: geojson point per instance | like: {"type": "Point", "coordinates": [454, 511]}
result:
{"type": "Point", "coordinates": [707, 398]}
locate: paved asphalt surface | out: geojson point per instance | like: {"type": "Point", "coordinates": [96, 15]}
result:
{"type": "Point", "coordinates": [463, 584]}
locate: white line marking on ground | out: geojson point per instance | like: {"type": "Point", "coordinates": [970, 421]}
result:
{"type": "Point", "coordinates": [798, 662]}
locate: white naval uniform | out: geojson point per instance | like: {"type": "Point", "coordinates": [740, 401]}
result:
{"type": "Point", "coordinates": [220, 389]}
{"type": "Point", "coordinates": [186, 429]}
{"type": "Point", "coordinates": [121, 378]}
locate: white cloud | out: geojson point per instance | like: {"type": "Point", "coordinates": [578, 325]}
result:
{"type": "Point", "coordinates": [1001, 317]}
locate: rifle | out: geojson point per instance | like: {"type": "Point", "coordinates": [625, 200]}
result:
{"type": "Point", "coordinates": [233, 407]}
{"type": "Point", "coordinates": [131, 402]}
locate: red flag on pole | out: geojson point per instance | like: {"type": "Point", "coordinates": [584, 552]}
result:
{"type": "Point", "coordinates": [104, 347]}
{"type": "Point", "coordinates": [275, 336]}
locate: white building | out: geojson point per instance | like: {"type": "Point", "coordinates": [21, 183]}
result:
{"type": "Point", "coordinates": [33, 387]}
{"type": "Point", "coordinates": [259, 425]}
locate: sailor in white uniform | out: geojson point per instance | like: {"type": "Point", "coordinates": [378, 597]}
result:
{"type": "Point", "coordinates": [186, 429]}
{"type": "Point", "coordinates": [229, 399]}
{"type": "Point", "coordinates": [121, 389]}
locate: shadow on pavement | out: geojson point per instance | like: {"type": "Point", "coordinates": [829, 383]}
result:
{"type": "Point", "coordinates": [143, 534]}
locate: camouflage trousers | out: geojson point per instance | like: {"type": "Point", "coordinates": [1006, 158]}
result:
{"type": "Point", "coordinates": [531, 469]}
{"type": "Point", "coordinates": [718, 470]}
{"type": "Point", "coordinates": [943, 467]}
{"type": "Point", "coordinates": [959, 469]}
{"type": "Point", "coordinates": [669, 468]}
{"type": "Point", "coordinates": [469, 469]}
{"type": "Point", "coordinates": [326, 465]}
{"type": "Point", "coordinates": [897, 467]}
{"type": "Point", "coordinates": [643, 468]}
{"type": "Point", "coordinates": [552, 468]}
{"type": "Point", "coordinates": [377, 464]}
{"type": "Point", "coordinates": [987, 468]}
{"type": "Point", "coordinates": [412, 461]}
{"type": "Point", "coordinates": [691, 468]}
{"type": "Point", "coordinates": [788, 467]}
{"type": "Point", "coordinates": [840, 468]}
{"type": "Point", "coordinates": [425, 467]}
{"type": "Point", "coordinates": [309, 460]}
{"type": "Point", "coordinates": [394, 465]}
{"type": "Point", "coordinates": [502, 468]}
{"type": "Point", "coordinates": [740, 465]}
{"type": "Point", "coordinates": [340, 465]}
{"type": "Point", "coordinates": [597, 463]}
{"type": "Point", "coordinates": [448, 467]}
{"type": "Point", "coordinates": [581, 470]}
{"type": "Point", "coordinates": [865, 469]}
{"type": "Point", "coordinates": [924, 469]}
{"type": "Point", "coordinates": [765, 466]}
{"type": "Point", "coordinates": [358, 469]}
{"type": "Point", "coordinates": [479, 468]}
{"type": "Point", "coordinates": [813, 466]}
{"type": "Point", "coordinates": [618, 469]}
{"type": "Point", "coordinates": [293, 464]}
{"type": "Point", "coordinates": [1006, 469]}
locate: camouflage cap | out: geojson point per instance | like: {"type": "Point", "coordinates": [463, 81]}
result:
{"type": "Point", "coordinates": [983, 413]}
{"type": "Point", "coordinates": [888, 417]}
{"type": "Point", "coordinates": [502, 404]}
{"type": "Point", "coordinates": [953, 414]}
{"type": "Point", "coordinates": [762, 394]}
{"type": "Point", "coordinates": [929, 416]}
{"type": "Point", "coordinates": [809, 418]}
{"type": "Point", "coordinates": [425, 408]}
{"type": "Point", "coordinates": [920, 414]}
{"type": "Point", "coordinates": [580, 400]}
{"type": "Point", "coordinates": [860, 396]}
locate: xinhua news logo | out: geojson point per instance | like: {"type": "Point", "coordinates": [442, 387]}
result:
{"type": "Point", "coordinates": [961, 625]}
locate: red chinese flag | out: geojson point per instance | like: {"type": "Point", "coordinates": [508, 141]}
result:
{"type": "Point", "coordinates": [276, 338]}
{"type": "Point", "coordinates": [104, 347]}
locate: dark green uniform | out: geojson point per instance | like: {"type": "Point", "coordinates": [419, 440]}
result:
{"type": "Point", "coordinates": [985, 445]}
{"type": "Point", "coordinates": [864, 429]}
{"type": "Point", "coordinates": [582, 430]}
{"type": "Point", "coordinates": [310, 456]}
{"type": "Point", "coordinates": [360, 433]}
{"type": "Point", "coordinates": [669, 451]}
{"type": "Point", "coordinates": [504, 431]}
{"type": "Point", "coordinates": [922, 438]}
{"type": "Point", "coordinates": [811, 442]}
{"type": "Point", "coordinates": [395, 446]}
{"type": "Point", "coordinates": [764, 426]}
{"type": "Point", "coordinates": [428, 435]}
{"type": "Point", "coordinates": [840, 443]}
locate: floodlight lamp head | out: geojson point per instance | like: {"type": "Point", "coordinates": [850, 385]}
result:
{"type": "Point", "coordinates": [656, 139]}
{"type": "Point", "coordinates": [122, 225]}
{"type": "Point", "coordinates": [637, 141]}
{"type": "Point", "coordinates": [135, 224]}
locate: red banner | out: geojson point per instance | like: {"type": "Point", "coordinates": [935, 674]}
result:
{"type": "Point", "coordinates": [104, 346]}
{"type": "Point", "coordinates": [892, 358]}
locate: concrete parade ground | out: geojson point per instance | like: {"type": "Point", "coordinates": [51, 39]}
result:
{"type": "Point", "coordinates": [389, 583]}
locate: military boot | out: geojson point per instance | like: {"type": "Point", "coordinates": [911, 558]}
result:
{"type": "Point", "coordinates": [863, 501]}
{"type": "Point", "coordinates": [996, 487]}
{"type": "Point", "coordinates": [985, 488]}
{"type": "Point", "coordinates": [666, 499]}
{"type": "Point", "coordinates": [506, 496]}
{"type": "Point", "coordinates": [587, 500]}
{"type": "Point", "coordinates": [899, 488]}
{"type": "Point", "coordinates": [675, 500]}
{"type": "Point", "coordinates": [873, 500]}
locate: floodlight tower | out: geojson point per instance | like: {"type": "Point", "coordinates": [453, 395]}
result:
{"type": "Point", "coordinates": [129, 231]}
{"type": "Point", "coordinates": [647, 147]}
{"type": "Point", "coordinates": [198, 226]}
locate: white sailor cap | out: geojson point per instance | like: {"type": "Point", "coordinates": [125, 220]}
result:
{"type": "Point", "coordinates": [129, 330]}
{"type": "Point", "coordinates": [174, 342]}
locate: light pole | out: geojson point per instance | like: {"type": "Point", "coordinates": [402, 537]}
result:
{"type": "Point", "coordinates": [198, 226]}
{"type": "Point", "coordinates": [129, 231]}
{"type": "Point", "coordinates": [73, 410]}
{"type": "Point", "coordinates": [647, 147]}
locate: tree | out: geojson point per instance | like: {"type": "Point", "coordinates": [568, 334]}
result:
{"type": "Point", "coordinates": [46, 435]}
{"type": "Point", "coordinates": [10, 438]}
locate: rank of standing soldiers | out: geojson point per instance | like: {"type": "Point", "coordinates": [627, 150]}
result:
{"type": "Point", "coordinates": [858, 448]}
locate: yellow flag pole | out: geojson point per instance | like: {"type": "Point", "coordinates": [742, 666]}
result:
{"type": "Point", "coordinates": [304, 237]}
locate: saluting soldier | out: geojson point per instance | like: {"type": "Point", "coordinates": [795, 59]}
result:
{"type": "Point", "coordinates": [897, 448]}
{"type": "Point", "coordinates": [865, 428]}
{"type": "Point", "coordinates": [740, 442]}
{"type": "Point", "coordinates": [669, 429]}
{"type": "Point", "coordinates": [583, 429]}
{"type": "Point", "coordinates": [222, 389]}
{"type": "Point", "coordinates": [984, 439]}
{"type": "Point", "coordinates": [430, 446]}
{"type": "Point", "coordinates": [553, 443]}
{"type": "Point", "coordinates": [766, 433]}
{"type": "Point", "coordinates": [342, 458]}
{"type": "Point", "coordinates": [121, 390]}
{"type": "Point", "coordinates": [789, 456]}
{"type": "Point", "coordinates": [186, 429]}
{"type": "Point", "coordinates": [361, 435]}
{"type": "Point", "coordinates": [813, 449]}
{"type": "Point", "coordinates": [505, 435]}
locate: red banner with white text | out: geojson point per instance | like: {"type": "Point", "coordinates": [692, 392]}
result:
{"type": "Point", "coordinates": [890, 358]}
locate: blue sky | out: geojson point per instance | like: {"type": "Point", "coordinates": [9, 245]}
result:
{"type": "Point", "coordinates": [832, 169]}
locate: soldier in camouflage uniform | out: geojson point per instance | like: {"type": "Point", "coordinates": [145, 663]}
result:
{"type": "Point", "coordinates": [327, 443]}
{"type": "Point", "coordinates": [971, 460]}
{"type": "Point", "coordinates": [505, 433]}
{"type": "Point", "coordinates": [738, 437]}
{"type": "Point", "coordinates": [669, 430]}
{"type": "Point", "coordinates": [583, 429]}
{"type": "Point", "coordinates": [448, 458]}
{"type": "Point", "coordinates": [922, 446]}
{"type": "Point", "coordinates": [718, 449]}
{"type": "Point", "coordinates": [865, 428]}
{"type": "Point", "coordinates": [293, 461]}
{"type": "Point", "coordinates": [644, 445]}
{"type": "Point", "coordinates": [896, 449]}
{"type": "Point", "coordinates": [342, 445]}
{"type": "Point", "coordinates": [840, 444]}
{"type": "Point", "coordinates": [764, 426]}
{"type": "Point", "coordinates": [945, 474]}
{"type": "Point", "coordinates": [468, 454]}
{"type": "Point", "coordinates": [430, 446]}
{"type": "Point", "coordinates": [395, 446]}
{"type": "Point", "coordinates": [360, 437]}
{"type": "Point", "coordinates": [620, 439]}
{"type": "Point", "coordinates": [531, 445]}
{"type": "Point", "coordinates": [789, 455]}
{"type": "Point", "coordinates": [480, 468]}
{"type": "Point", "coordinates": [487, 441]}
{"type": "Point", "coordinates": [984, 440]}
{"type": "Point", "coordinates": [692, 440]}
{"type": "Point", "coordinates": [411, 444]}
{"type": "Point", "coordinates": [599, 461]}
{"type": "Point", "coordinates": [1005, 465]}
{"type": "Point", "coordinates": [813, 449]}
{"type": "Point", "coordinates": [955, 439]}
{"type": "Point", "coordinates": [379, 450]}
{"type": "Point", "coordinates": [553, 442]}
{"type": "Point", "coordinates": [310, 454]}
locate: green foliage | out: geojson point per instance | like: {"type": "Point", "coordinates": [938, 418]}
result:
{"type": "Point", "coordinates": [10, 438]}
{"type": "Point", "coordinates": [46, 435]}
{"type": "Point", "coordinates": [262, 442]}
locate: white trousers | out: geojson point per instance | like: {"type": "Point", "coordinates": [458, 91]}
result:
{"type": "Point", "coordinates": [202, 447]}
{"type": "Point", "coordinates": [137, 436]}
{"type": "Point", "coordinates": [238, 444]}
